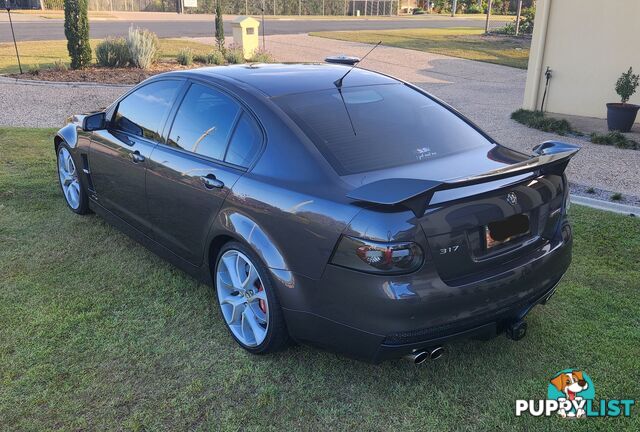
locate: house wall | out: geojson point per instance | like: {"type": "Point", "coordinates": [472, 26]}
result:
{"type": "Point", "coordinates": [587, 44]}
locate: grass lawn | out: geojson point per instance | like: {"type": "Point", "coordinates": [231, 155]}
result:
{"type": "Point", "coordinates": [45, 53]}
{"type": "Point", "coordinates": [463, 42]}
{"type": "Point", "coordinates": [98, 333]}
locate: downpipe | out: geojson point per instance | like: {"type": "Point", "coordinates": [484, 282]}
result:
{"type": "Point", "coordinates": [421, 356]}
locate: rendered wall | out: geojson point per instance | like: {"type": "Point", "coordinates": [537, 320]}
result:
{"type": "Point", "coordinates": [587, 44]}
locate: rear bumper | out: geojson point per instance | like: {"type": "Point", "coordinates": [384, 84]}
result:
{"type": "Point", "coordinates": [374, 318]}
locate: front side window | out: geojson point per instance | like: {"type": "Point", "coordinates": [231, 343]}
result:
{"type": "Point", "coordinates": [141, 113]}
{"type": "Point", "coordinates": [204, 122]}
{"type": "Point", "coordinates": [380, 126]}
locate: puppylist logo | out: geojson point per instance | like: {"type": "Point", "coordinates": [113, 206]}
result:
{"type": "Point", "coordinates": [571, 394]}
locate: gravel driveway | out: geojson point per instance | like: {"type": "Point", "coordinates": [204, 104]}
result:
{"type": "Point", "coordinates": [484, 92]}
{"type": "Point", "coordinates": [46, 105]}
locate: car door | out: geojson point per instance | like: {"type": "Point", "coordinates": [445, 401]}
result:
{"type": "Point", "coordinates": [210, 143]}
{"type": "Point", "coordinates": [118, 155]}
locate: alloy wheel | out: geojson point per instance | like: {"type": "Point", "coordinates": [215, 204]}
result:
{"type": "Point", "coordinates": [242, 298]}
{"type": "Point", "coordinates": [68, 178]}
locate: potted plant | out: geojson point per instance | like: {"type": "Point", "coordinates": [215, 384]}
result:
{"type": "Point", "coordinates": [621, 116]}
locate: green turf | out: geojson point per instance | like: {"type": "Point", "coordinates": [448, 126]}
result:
{"type": "Point", "coordinates": [464, 42]}
{"type": "Point", "coordinates": [97, 333]}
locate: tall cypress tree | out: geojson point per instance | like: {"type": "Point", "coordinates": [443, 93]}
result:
{"type": "Point", "coordinates": [219, 26]}
{"type": "Point", "coordinates": [76, 29]}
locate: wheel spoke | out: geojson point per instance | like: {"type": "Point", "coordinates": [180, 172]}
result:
{"type": "Point", "coordinates": [67, 194]}
{"type": "Point", "coordinates": [67, 179]}
{"type": "Point", "coordinates": [61, 167]}
{"type": "Point", "coordinates": [71, 165]}
{"type": "Point", "coordinates": [224, 277]}
{"type": "Point", "coordinates": [249, 318]}
{"type": "Point", "coordinates": [230, 263]}
{"type": "Point", "coordinates": [66, 161]}
{"type": "Point", "coordinates": [236, 305]}
{"type": "Point", "coordinates": [75, 192]}
{"type": "Point", "coordinates": [252, 277]}
{"type": "Point", "coordinates": [260, 316]}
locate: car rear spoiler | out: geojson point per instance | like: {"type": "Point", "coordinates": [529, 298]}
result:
{"type": "Point", "coordinates": [550, 157]}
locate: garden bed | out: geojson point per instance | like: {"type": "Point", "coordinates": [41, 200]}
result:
{"type": "Point", "coordinates": [125, 75]}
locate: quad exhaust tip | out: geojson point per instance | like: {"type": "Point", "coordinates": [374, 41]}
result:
{"type": "Point", "coordinates": [421, 356]}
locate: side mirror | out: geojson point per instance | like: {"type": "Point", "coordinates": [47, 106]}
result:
{"type": "Point", "coordinates": [93, 122]}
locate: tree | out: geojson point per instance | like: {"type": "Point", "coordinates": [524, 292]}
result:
{"type": "Point", "coordinates": [219, 26]}
{"type": "Point", "coordinates": [76, 29]}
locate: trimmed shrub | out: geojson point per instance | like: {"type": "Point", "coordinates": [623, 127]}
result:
{"type": "Point", "coordinates": [215, 57]}
{"type": "Point", "coordinates": [526, 23]}
{"type": "Point", "coordinates": [537, 120]}
{"type": "Point", "coordinates": [615, 139]}
{"type": "Point", "coordinates": [143, 47]}
{"type": "Point", "coordinates": [234, 55]}
{"type": "Point", "coordinates": [113, 52]}
{"type": "Point", "coordinates": [200, 58]}
{"type": "Point", "coordinates": [262, 56]}
{"type": "Point", "coordinates": [59, 66]}
{"type": "Point", "coordinates": [34, 69]}
{"type": "Point", "coordinates": [185, 57]}
{"type": "Point", "coordinates": [76, 30]}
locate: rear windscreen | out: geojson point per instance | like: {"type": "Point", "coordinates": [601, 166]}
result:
{"type": "Point", "coordinates": [376, 127]}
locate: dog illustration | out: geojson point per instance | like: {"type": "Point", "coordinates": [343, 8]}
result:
{"type": "Point", "coordinates": [570, 383]}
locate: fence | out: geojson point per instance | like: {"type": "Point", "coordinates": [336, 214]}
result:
{"type": "Point", "coordinates": [247, 7]}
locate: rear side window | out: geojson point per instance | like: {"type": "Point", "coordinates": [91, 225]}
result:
{"type": "Point", "coordinates": [141, 113]}
{"type": "Point", "coordinates": [375, 127]}
{"type": "Point", "coordinates": [204, 122]}
{"type": "Point", "coordinates": [245, 142]}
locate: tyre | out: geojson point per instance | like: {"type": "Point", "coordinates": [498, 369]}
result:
{"type": "Point", "coordinates": [75, 195]}
{"type": "Point", "coordinates": [247, 300]}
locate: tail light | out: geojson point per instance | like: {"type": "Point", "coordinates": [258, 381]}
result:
{"type": "Point", "coordinates": [378, 257]}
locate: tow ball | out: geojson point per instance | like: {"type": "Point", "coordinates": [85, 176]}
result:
{"type": "Point", "coordinates": [517, 330]}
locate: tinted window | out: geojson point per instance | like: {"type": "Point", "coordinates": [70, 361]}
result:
{"type": "Point", "coordinates": [245, 142]}
{"type": "Point", "coordinates": [142, 112]}
{"type": "Point", "coordinates": [203, 122]}
{"type": "Point", "coordinates": [378, 126]}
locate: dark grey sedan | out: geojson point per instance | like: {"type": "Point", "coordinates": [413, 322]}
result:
{"type": "Point", "coordinates": [359, 214]}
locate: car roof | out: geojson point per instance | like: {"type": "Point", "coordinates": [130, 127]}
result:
{"type": "Point", "coordinates": [280, 79]}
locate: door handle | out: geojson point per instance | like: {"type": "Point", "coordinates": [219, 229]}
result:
{"type": "Point", "coordinates": [211, 182]}
{"type": "Point", "coordinates": [136, 157]}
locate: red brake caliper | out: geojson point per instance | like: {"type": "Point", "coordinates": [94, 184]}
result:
{"type": "Point", "coordinates": [261, 303]}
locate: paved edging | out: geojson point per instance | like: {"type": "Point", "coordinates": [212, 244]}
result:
{"type": "Point", "coordinates": [9, 80]}
{"type": "Point", "coordinates": [605, 205]}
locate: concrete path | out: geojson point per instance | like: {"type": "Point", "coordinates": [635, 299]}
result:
{"type": "Point", "coordinates": [486, 93]}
